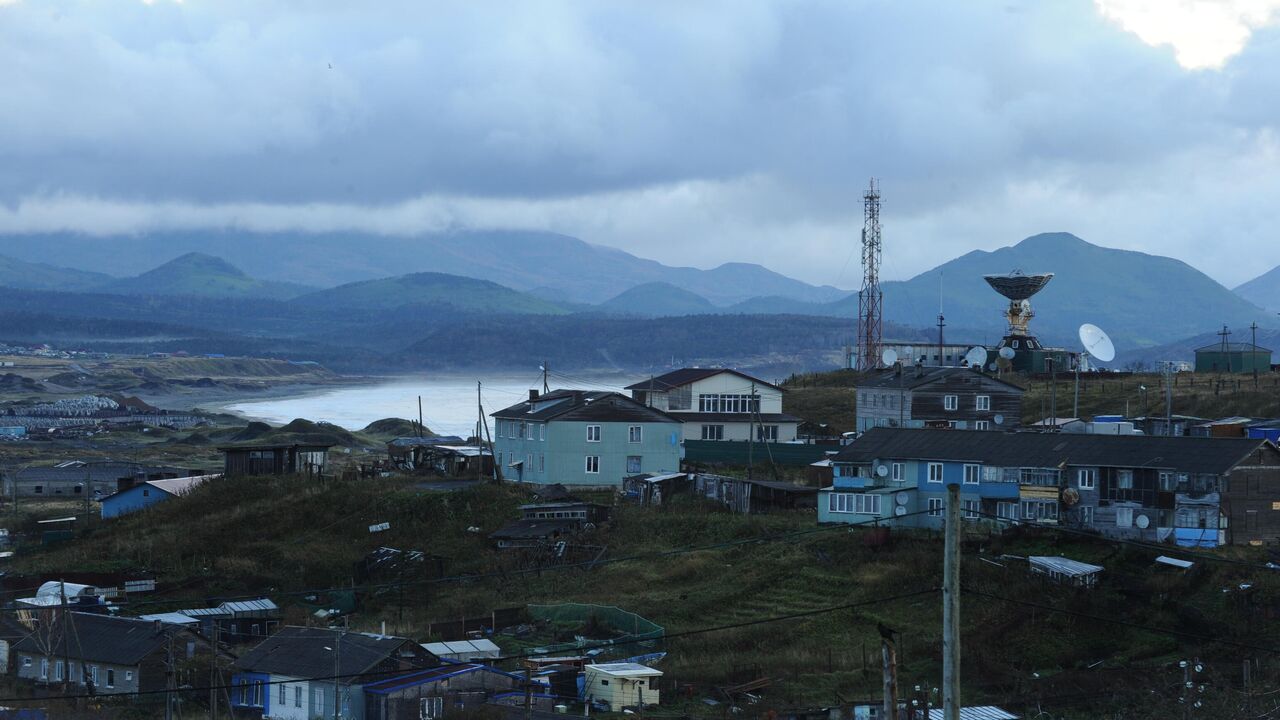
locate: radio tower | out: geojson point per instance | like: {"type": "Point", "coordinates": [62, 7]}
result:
{"type": "Point", "coordinates": [870, 298]}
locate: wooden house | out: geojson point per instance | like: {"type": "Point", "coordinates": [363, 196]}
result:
{"type": "Point", "coordinates": [953, 397]}
{"type": "Point", "coordinates": [437, 692]}
{"type": "Point", "coordinates": [621, 685]}
{"type": "Point", "coordinates": [287, 459]}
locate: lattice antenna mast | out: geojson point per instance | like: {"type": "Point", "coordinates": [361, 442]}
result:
{"type": "Point", "coordinates": [870, 297]}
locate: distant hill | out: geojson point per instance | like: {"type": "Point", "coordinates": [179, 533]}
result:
{"type": "Point", "coordinates": [24, 275]}
{"type": "Point", "coordinates": [433, 290]}
{"type": "Point", "coordinates": [1264, 290]}
{"type": "Point", "coordinates": [1185, 348]}
{"type": "Point", "coordinates": [200, 275]}
{"type": "Point", "coordinates": [658, 299]}
{"type": "Point", "coordinates": [524, 260]}
{"type": "Point", "coordinates": [1139, 299]}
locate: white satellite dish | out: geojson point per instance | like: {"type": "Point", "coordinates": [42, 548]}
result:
{"type": "Point", "coordinates": [1096, 342]}
{"type": "Point", "coordinates": [1142, 521]}
{"type": "Point", "coordinates": [999, 419]}
{"type": "Point", "coordinates": [900, 511]}
{"type": "Point", "coordinates": [992, 367]}
{"type": "Point", "coordinates": [889, 356]}
{"type": "Point", "coordinates": [900, 498]}
{"type": "Point", "coordinates": [882, 471]}
{"type": "Point", "coordinates": [976, 356]}
{"type": "Point", "coordinates": [1006, 352]}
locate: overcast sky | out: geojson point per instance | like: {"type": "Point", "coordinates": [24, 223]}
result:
{"type": "Point", "coordinates": [693, 133]}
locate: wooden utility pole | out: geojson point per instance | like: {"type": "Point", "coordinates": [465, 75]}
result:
{"type": "Point", "coordinates": [497, 471]}
{"type": "Point", "coordinates": [528, 692]}
{"type": "Point", "coordinates": [420, 433]}
{"type": "Point", "coordinates": [213, 675]}
{"type": "Point", "coordinates": [890, 667]}
{"type": "Point", "coordinates": [951, 608]}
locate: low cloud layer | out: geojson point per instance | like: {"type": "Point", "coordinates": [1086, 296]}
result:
{"type": "Point", "coordinates": [689, 133]}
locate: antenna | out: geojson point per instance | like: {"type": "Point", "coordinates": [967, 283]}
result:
{"type": "Point", "coordinates": [870, 297]}
{"type": "Point", "coordinates": [889, 356]}
{"type": "Point", "coordinates": [1096, 344]}
{"type": "Point", "coordinates": [976, 356]}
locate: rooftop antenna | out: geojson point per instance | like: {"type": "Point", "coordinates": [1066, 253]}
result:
{"type": "Point", "coordinates": [1096, 344]}
{"type": "Point", "coordinates": [941, 323]}
{"type": "Point", "coordinates": [870, 297]}
{"type": "Point", "coordinates": [1224, 334]}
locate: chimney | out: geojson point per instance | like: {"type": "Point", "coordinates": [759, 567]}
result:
{"type": "Point", "coordinates": [159, 626]}
{"type": "Point", "coordinates": [533, 395]}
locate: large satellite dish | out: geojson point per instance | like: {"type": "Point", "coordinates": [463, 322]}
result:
{"type": "Point", "coordinates": [882, 471]}
{"type": "Point", "coordinates": [1096, 342]}
{"type": "Point", "coordinates": [889, 356]}
{"type": "Point", "coordinates": [1142, 521]}
{"type": "Point", "coordinates": [992, 367]}
{"type": "Point", "coordinates": [999, 419]}
{"type": "Point", "coordinates": [1006, 352]}
{"type": "Point", "coordinates": [900, 498]}
{"type": "Point", "coordinates": [976, 356]}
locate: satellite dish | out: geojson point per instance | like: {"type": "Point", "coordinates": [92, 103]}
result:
{"type": "Point", "coordinates": [889, 356]}
{"type": "Point", "coordinates": [1004, 363]}
{"type": "Point", "coordinates": [1096, 342]}
{"type": "Point", "coordinates": [1142, 521]}
{"type": "Point", "coordinates": [900, 511]}
{"type": "Point", "coordinates": [1006, 352]}
{"type": "Point", "coordinates": [992, 367]}
{"type": "Point", "coordinates": [882, 471]}
{"type": "Point", "coordinates": [976, 355]}
{"type": "Point", "coordinates": [900, 498]}
{"type": "Point", "coordinates": [999, 419]}
{"type": "Point", "coordinates": [1070, 496]}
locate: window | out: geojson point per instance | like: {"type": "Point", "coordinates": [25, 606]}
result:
{"type": "Point", "coordinates": [1124, 479]}
{"type": "Point", "coordinates": [935, 472]}
{"type": "Point", "coordinates": [712, 432]}
{"type": "Point", "coordinates": [1124, 517]}
{"type": "Point", "coordinates": [950, 402]}
{"type": "Point", "coordinates": [633, 464]}
{"type": "Point", "coordinates": [767, 433]}
{"type": "Point", "coordinates": [1086, 515]}
{"type": "Point", "coordinates": [297, 696]}
{"type": "Point", "coordinates": [542, 431]}
{"type": "Point", "coordinates": [1167, 482]}
{"type": "Point", "coordinates": [593, 433]}
{"type": "Point", "coordinates": [26, 661]}
{"type": "Point", "coordinates": [58, 670]}
{"type": "Point", "coordinates": [499, 458]}
{"type": "Point", "coordinates": [44, 668]}
{"type": "Point", "coordinates": [898, 472]}
{"type": "Point", "coordinates": [432, 707]}
{"type": "Point", "coordinates": [1007, 510]}
{"type": "Point", "coordinates": [1040, 509]}
{"type": "Point", "coordinates": [1086, 478]}
{"type": "Point", "coordinates": [981, 424]}
{"type": "Point", "coordinates": [80, 488]}
{"type": "Point", "coordinates": [856, 503]}
{"type": "Point", "coordinates": [971, 508]}
{"type": "Point", "coordinates": [542, 463]}
{"type": "Point", "coordinates": [39, 490]}
{"type": "Point", "coordinates": [1014, 344]}
{"type": "Point", "coordinates": [146, 491]}
{"type": "Point", "coordinates": [317, 701]}
{"type": "Point", "coordinates": [983, 402]}
{"type": "Point", "coordinates": [593, 464]}
{"type": "Point", "coordinates": [128, 676]}
{"type": "Point", "coordinates": [972, 474]}
{"type": "Point", "coordinates": [284, 692]}
{"type": "Point", "coordinates": [721, 403]}
{"type": "Point", "coordinates": [604, 682]}
{"type": "Point", "coordinates": [111, 678]}
{"type": "Point", "coordinates": [935, 507]}
{"type": "Point", "coordinates": [635, 433]}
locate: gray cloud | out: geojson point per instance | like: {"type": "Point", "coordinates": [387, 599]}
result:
{"type": "Point", "coordinates": [691, 133]}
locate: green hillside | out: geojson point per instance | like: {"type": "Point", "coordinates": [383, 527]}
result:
{"type": "Point", "coordinates": [200, 275]}
{"type": "Point", "coordinates": [1264, 290]}
{"type": "Point", "coordinates": [431, 289]}
{"type": "Point", "coordinates": [658, 299]}
{"type": "Point", "coordinates": [16, 273]}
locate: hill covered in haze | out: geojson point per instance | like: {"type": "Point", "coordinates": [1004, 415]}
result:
{"type": "Point", "coordinates": [1264, 290]}
{"type": "Point", "coordinates": [433, 290]}
{"type": "Point", "coordinates": [200, 275]}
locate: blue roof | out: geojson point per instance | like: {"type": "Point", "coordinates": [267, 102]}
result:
{"type": "Point", "coordinates": [421, 677]}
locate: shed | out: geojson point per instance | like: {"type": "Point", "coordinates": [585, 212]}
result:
{"type": "Point", "coordinates": [464, 650]}
{"type": "Point", "coordinates": [977, 712]}
{"type": "Point", "coordinates": [1233, 358]}
{"type": "Point", "coordinates": [621, 685]}
{"type": "Point", "coordinates": [149, 493]}
{"type": "Point", "coordinates": [1065, 570]}
{"type": "Point", "coordinates": [273, 459]}
{"type": "Point", "coordinates": [654, 489]}
{"type": "Point", "coordinates": [436, 692]}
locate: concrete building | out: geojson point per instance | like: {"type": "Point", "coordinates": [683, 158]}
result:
{"type": "Point", "coordinates": [719, 404]}
{"type": "Point", "coordinates": [937, 397]}
{"type": "Point", "coordinates": [584, 438]}
{"type": "Point", "coordinates": [1233, 358]}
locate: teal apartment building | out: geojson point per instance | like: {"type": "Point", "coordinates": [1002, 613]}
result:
{"type": "Point", "coordinates": [584, 438]}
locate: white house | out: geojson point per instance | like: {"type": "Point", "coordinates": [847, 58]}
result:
{"type": "Point", "coordinates": [719, 404]}
{"type": "Point", "coordinates": [620, 684]}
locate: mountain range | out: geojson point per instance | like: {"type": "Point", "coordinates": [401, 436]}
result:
{"type": "Point", "coordinates": [1263, 291]}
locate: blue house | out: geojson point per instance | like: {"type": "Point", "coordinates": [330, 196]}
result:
{"type": "Point", "coordinates": [1140, 487]}
{"type": "Point", "coordinates": [145, 494]}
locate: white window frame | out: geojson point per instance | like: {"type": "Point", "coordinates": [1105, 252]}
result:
{"type": "Point", "coordinates": [1089, 474]}
{"type": "Point", "coordinates": [766, 433]}
{"type": "Point", "coordinates": [971, 508]}
{"type": "Point", "coordinates": [639, 463]}
{"type": "Point", "coordinates": [282, 695]}
{"type": "Point", "coordinates": [935, 507]}
{"type": "Point", "coordinates": [716, 431]}
{"type": "Point", "coordinates": [592, 465]}
{"type": "Point", "coordinates": [898, 472]}
{"type": "Point", "coordinates": [972, 474]}
{"type": "Point", "coordinates": [635, 433]}
{"type": "Point", "coordinates": [950, 402]}
{"type": "Point", "coordinates": [931, 467]}
{"type": "Point", "coordinates": [981, 424]}
{"type": "Point", "coordinates": [59, 670]}
{"type": "Point", "coordinates": [317, 701]}
{"type": "Point", "coordinates": [1086, 515]}
{"type": "Point", "coordinates": [297, 696]}
{"type": "Point", "coordinates": [542, 432]}
{"type": "Point", "coordinates": [593, 433]}
{"type": "Point", "coordinates": [1124, 517]}
{"type": "Point", "coordinates": [431, 708]}
{"type": "Point", "coordinates": [982, 402]}
{"type": "Point", "coordinates": [1124, 479]}
{"type": "Point", "coordinates": [44, 668]}
{"type": "Point", "coordinates": [1007, 510]}
{"type": "Point", "coordinates": [854, 503]}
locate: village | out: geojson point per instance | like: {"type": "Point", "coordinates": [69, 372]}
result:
{"type": "Point", "coordinates": [563, 559]}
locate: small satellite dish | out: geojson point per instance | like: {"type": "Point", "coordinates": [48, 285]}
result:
{"type": "Point", "coordinates": [976, 355]}
{"type": "Point", "coordinates": [1006, 352]}
{"type": "Point", "coordinates": [1142, 521]}
{"type": "Point", "coordinates": [882, 471]}
{"type": "Point", "coordinates": [1096, 342]}
{"type": "Point", "coordinates": [900, 498]}
{"type": "Point", "coordinates": [999, 419]}
{"type": "Point", "coordinates": [889, 356]}
{"type": "Point", "coordinates": [992, 367]}
{"type": "Point", "coordinates": [1070, 496]}
{"type": "Point", "coordinates": [900, 511]}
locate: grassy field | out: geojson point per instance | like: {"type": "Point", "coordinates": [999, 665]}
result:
{"type": "Point", "coordinates": [283, 535]}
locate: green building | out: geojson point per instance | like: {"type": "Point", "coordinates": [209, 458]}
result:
{"type": "Point", "coordinates": [1233, 358]}
{"type": "Point", "coordinates": [582, 437]}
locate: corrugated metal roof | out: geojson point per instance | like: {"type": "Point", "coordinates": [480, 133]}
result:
{"type": "Point", "coordinates": [684, 376]}
{"type": "Point", "coordinates": [1065, 566]}
{"type": "Point", "coordinates": [980, 712]}
{"type": "Point", "coordinates": [172, 618]}
{"type": "Point", "coordinates": [461, 647]}
{"type": "Point", "coordinates": [1175, 562]}
{"type": "Point", "coordinates": [625, 669]}
{"type": "Point", "coordinates": [259, 605]}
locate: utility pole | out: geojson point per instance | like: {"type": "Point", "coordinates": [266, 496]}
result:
{"type": "Point", "coordinates": [889, 662]}
{"type": "Point", "coordinates": [484, 422]}
{"type": "Point", "coordinates": [1168, 398]}
{"type": "Point", "coordinates": [528, 693]}
{"type": "Point", "coordinates": [419, 416]}
{"type": "Point", "coordinates": [751, 433]}
{"type": "Point", "coordinates": [951, 608]}
{"type": "Point", "coordinates": [337, 659]}
{"type": "Point", "coordinates": [1053, 391]}
{"type": "Point", "coordinates": [168, 677]}
{"type": "Point", "coordinates": [1253, 352]}
{"type": "Point", "coordinates": [213, 678]}
{"type": "Point", "coordinates": [545, 387]}
{"type": "Point", "coordinates": [941, 324]}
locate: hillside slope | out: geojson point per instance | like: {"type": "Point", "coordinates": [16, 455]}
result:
{"type": "Point", "coordinates": [1263, 291]}
{"type": "Point", "coordinates": [201, 275]}
{"type": "Point", "coordinates": [433, 290]}
{"type": "Point", "coordinates": [24, 275]}
{"type": "Point", "coordinates": [658, 299]}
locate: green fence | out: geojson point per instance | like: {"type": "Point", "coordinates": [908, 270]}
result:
{"type": "Point", "coordinates": [625, 627]}
{"type": "Point", "coordinates": [737, 452]}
